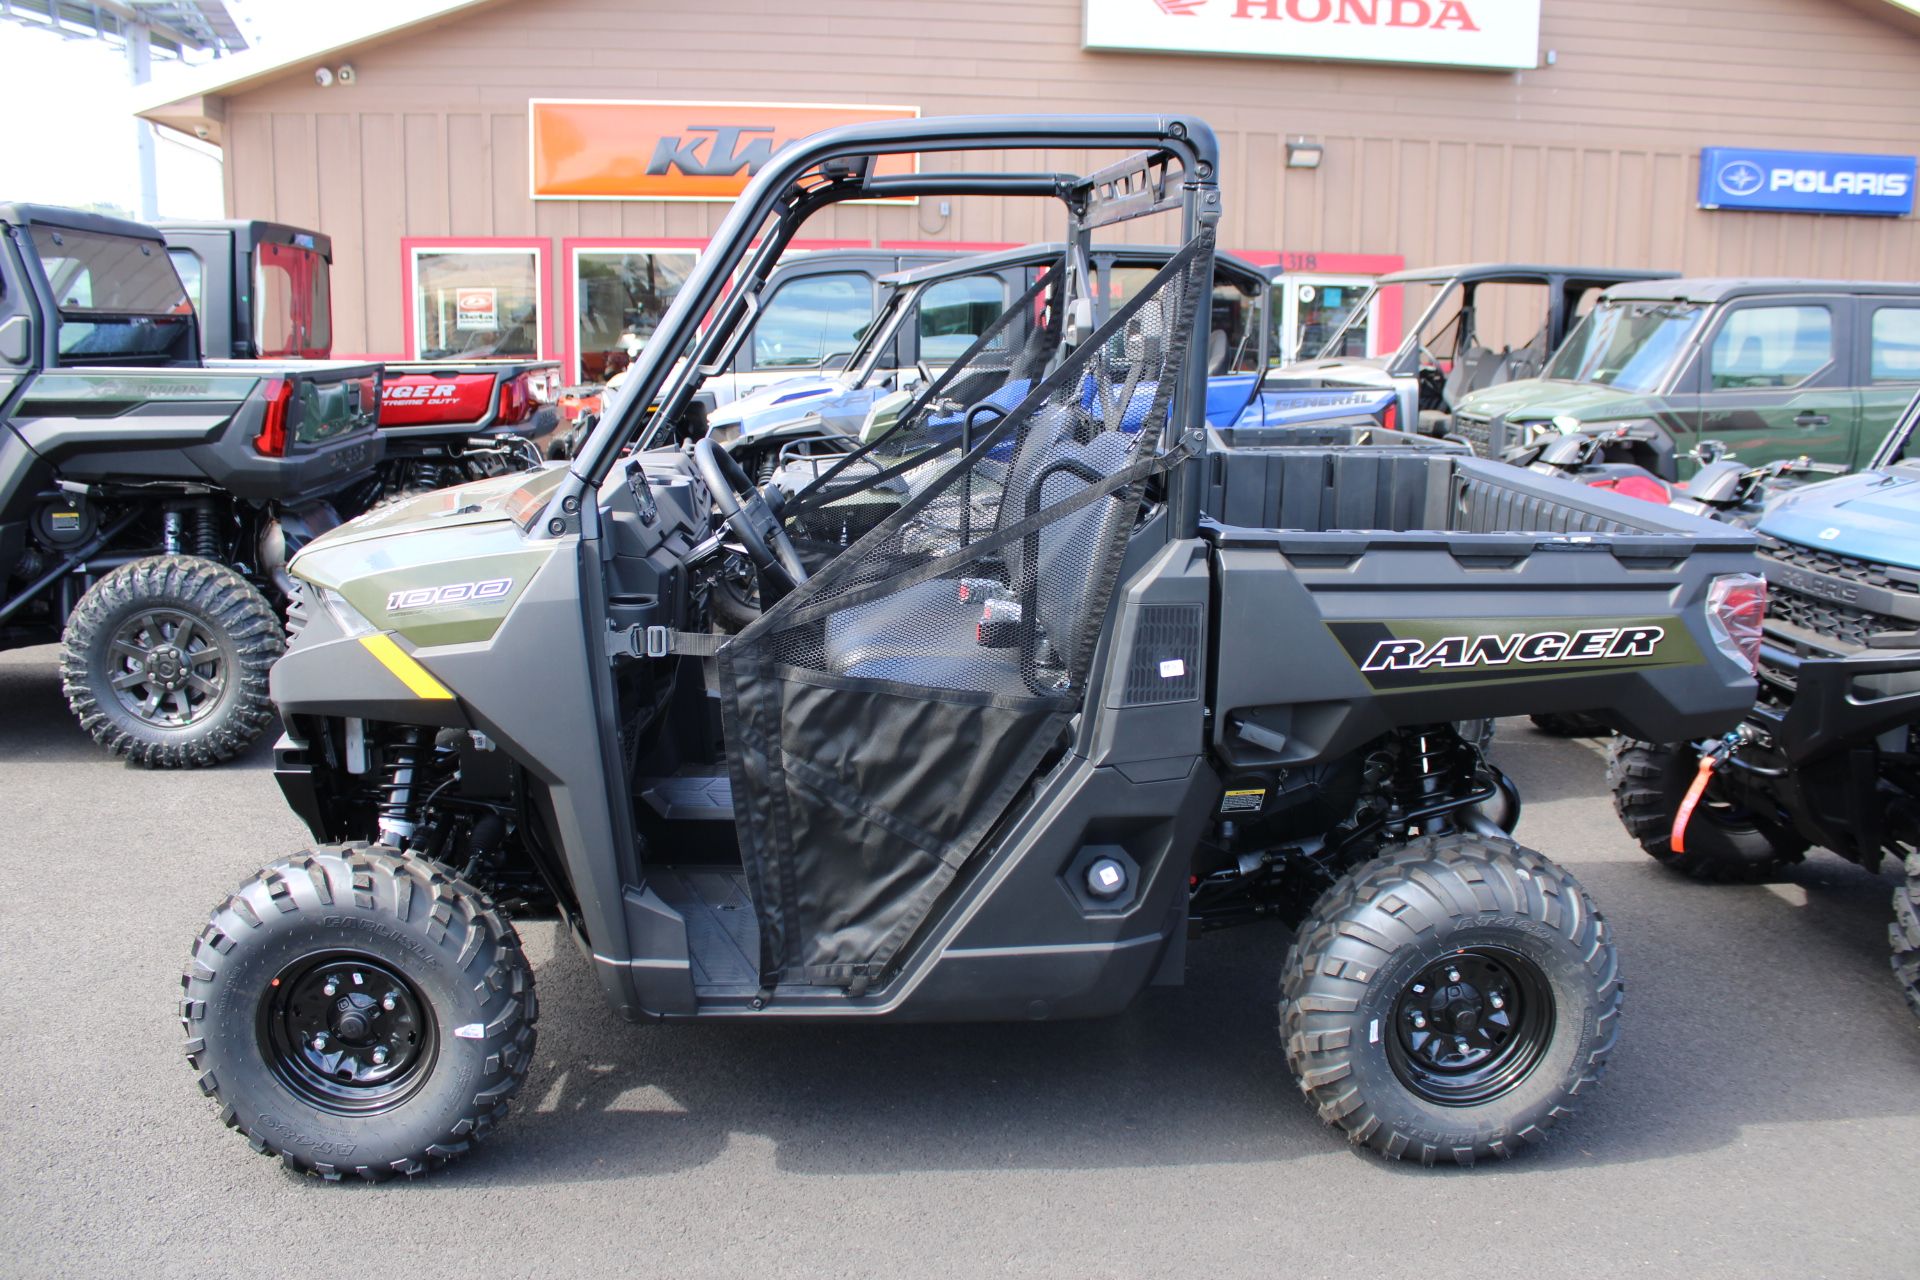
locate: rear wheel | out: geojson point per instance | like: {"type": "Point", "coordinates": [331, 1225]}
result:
{"type": "Point", "coordinates": [1904, 933]}
{"type": "Point", "coordinates": [165, 662]}
{"type": "Point", "coordinates": [1451, 1000]}
{"type": "Point", "coordinates": [359, 1011]}
{"type": "Point", "coordinates": [1726, 842]}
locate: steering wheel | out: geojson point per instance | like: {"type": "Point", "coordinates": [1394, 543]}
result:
{"type": "Point", "coordinates": [747, 513]}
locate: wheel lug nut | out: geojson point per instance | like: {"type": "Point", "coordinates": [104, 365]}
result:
{"type": "Point", "coordinates": [332, 988]}
{"type": "Point", "coordinates": [389, 1002]}
{"type": "Point", "coordinates": [1419, 1020]}
{"type": "Point", "coordinates": [1497, 1002]}
{"type": "Point", "coordinates": [1453, 975]}
{"type": "Point", "coordinates": [320, 1043]}
{"type": "Point", "coordinates": [379, 1057]}
{"type": "Point", "coordinates": [1462, 1044]}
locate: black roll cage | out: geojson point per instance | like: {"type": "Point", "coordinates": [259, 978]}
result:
{"type": "Point", "coordinates": [1175, 166]}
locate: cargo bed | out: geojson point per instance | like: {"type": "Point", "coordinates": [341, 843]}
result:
{"type": "Point", "coordinates": [1366, 588]}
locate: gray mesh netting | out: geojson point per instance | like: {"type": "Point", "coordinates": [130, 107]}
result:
{"type": "Point", "coordinates": [880, 719]}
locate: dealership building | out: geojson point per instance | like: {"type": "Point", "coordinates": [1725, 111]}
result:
{"type": "Point", "coordinates": [535, 177]}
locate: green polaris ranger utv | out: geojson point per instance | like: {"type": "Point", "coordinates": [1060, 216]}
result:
{"type": "Point", "coordinates": [1015, 725]}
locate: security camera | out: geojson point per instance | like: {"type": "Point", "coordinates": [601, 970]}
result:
{"type": "Point", "coordinates": [346, 73]}
{"type": "Point", "coordinates": [322, 76]}
{"type": "Point", "coordinates": [201, 132]}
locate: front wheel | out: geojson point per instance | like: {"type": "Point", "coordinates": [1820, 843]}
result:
{"type": "Point", "coordinates": [165, 662]}
{"type": "Point", "coordinates": [1726, 842]}
{"type": "Point", "coordinates": [359, 1011]}
{"type": "Point", "coordinates": [1451, 1000]}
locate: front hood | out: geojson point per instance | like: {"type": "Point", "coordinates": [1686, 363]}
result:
{"type": "Point", "coordinates": [795, 393]}
{"type": "Point", "coordinates": [1542, 399]}
{"type": "Point", "coordinates": [505, 497]}
{"type": "Point", "coordinates": [1871, 516]}
{"type": "Point", "coordinates": [1343, 371]}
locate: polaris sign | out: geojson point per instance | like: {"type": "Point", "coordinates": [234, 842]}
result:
{"type": "Point", "coordinates": [1806, 181]}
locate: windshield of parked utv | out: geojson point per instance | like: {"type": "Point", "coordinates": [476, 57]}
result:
{"type": "Point", "coordinates": [882, 717]}
{"type": "Point", "coordinates": [1630, 345]}
{"type": "Point", "coordinates": [119, 298]}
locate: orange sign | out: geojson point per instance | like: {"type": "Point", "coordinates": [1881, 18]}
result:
{"type": "Point", "coordinates": [602, 150]}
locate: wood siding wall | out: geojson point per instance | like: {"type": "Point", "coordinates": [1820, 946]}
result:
{"type": "Point", "coordinates": [1592, 160]}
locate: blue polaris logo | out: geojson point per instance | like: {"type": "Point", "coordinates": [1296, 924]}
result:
{"type": "Point", "coordinates": [1741, 178]}
{"type": "Point", "coordinates": [1806, 181]}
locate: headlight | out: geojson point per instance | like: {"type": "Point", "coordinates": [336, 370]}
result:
{"type": "Point", "coordinates": [1566, 424]}
{"type": "Point", "coordinates": [349, 619]}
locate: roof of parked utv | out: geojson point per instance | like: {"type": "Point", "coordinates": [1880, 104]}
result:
{"type": "Point", "coordinates": [256, 231]}
{"type": "Point", "coordinates": [1523, 273]}
{"type": "Point", "coordinates": [1029, 254]}
{"type": "Point", "coordinates": [53, 215]}
{"type": "Point", "coordinates": [1725, 288]}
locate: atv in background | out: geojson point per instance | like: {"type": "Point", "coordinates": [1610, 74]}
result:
{"type": "Point", "coordinates": [264, 290]}
{"type": "Point", "coordinates": [1721, 489]}
{"type": "Point", "coordinates": [1829, 755]}
{"type": "Point", "coordinates": [149, 501]}
{"type": "Point", "coordinates": [1002, 755]}
{"type": "Point", "coordinates": [1474, 326]}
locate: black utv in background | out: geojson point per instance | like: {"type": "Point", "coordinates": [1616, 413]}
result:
{"type": "Point", "coordinates": [148, 502]}
{"type": "Point", "coordinates": [264, 291]}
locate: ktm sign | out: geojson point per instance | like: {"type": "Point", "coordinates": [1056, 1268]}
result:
{"type": "Point", "coordinates": [1456, 33]}
{"type": "Point", "coordinates": [599, 150]}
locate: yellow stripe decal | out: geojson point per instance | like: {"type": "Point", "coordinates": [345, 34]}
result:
{"type": "Point", "coordinates": [409, 672]}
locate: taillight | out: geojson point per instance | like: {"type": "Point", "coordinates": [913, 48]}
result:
{"type": "Point", "coordinates": [1391, 416]}
{"type": "Point", "coordinates": [1736, 608]}
{"type": "Point", "coordinates": [515, 402]}
{"type": "Point", "coordinates": [272, 440]}
{"type": "Point", "coordinates": [1645, 488]}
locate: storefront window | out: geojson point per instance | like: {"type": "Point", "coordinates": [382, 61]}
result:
{"type": "Point", "coordinates": [619, 297]}
{"type": "Point", "coordinates": [471, 303]}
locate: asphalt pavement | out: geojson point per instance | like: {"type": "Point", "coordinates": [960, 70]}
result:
{"type": "Point", "coordinates": [1761, 1118]}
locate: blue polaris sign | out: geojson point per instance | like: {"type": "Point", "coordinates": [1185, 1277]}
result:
{"type": "Point", "coordinates": [1806, 181]}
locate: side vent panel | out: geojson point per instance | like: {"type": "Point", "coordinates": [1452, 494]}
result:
{"type": "Point", "coordinates": [1165, 663]}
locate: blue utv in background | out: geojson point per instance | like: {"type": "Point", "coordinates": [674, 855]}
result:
{"type": "Point", "coordinates": [933, 314]}
{"type": "Point", "coordinates": [1830, 753]}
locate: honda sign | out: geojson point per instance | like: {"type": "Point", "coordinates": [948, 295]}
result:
{"type": "Point", "coordinates": [1448, 33]}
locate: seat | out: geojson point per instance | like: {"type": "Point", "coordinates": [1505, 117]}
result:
{"type": "Point", "coordinates": [928, 633]}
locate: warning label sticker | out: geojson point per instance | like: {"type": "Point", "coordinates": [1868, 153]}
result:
{"type": "Point", "coordinates": [1244, 801]}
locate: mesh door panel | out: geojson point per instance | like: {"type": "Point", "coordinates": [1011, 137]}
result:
{"type": "Point", "coordinates": [881, 718]}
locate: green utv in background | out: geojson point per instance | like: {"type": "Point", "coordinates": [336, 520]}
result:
{"type": "Point", "coordinates": [1765, 369]}
{"type": "Point", "coordinates": [149, 503]}
{"type": "Point", "coordinates": [999, 751]}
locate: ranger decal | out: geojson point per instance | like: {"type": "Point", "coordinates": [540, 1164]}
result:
{"type": "Point", "coordinates": [1520, 646]}
{"type": "Point", "coordinates": [1420, 653]}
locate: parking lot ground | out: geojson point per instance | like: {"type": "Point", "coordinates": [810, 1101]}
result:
{"type": "Point", "coordinates": [1761, 1118]}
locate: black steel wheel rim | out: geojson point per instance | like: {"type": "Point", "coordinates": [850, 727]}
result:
{"type": "Point", "coordinates": [1471, 1026]}
{"type": "Point", "coordinates": [168, 667]}
{"type": "Point", "coordinates": [347, 1033]}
